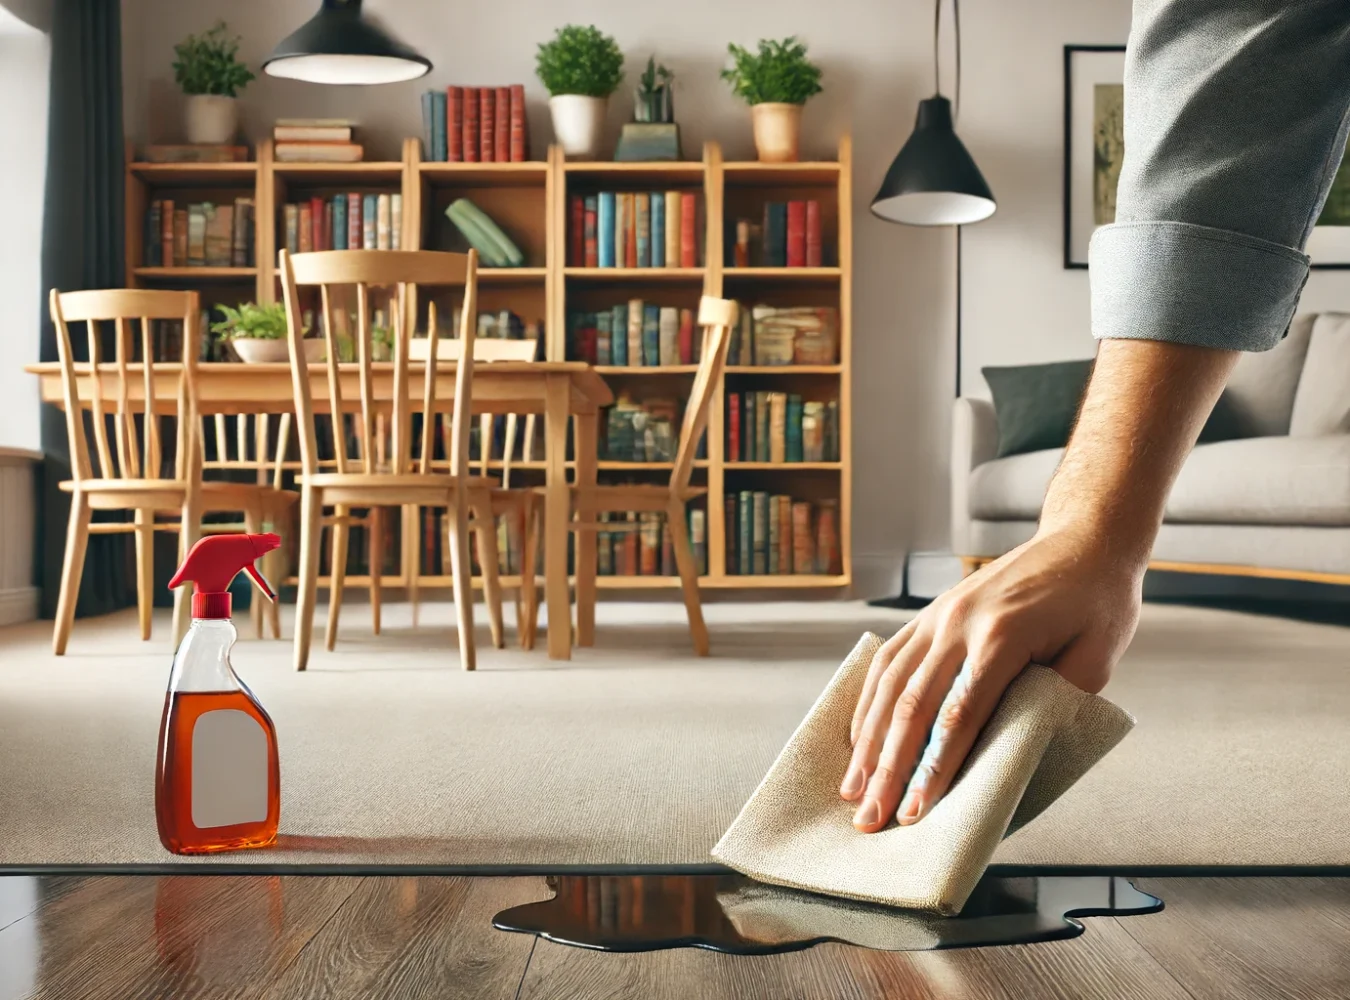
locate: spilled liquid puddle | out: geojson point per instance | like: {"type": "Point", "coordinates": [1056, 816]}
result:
{"type": "Point", "coordinates": [734, 914]}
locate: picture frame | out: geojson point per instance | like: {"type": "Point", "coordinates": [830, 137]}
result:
{"type": "Point", "coordinates": [1094, 79]}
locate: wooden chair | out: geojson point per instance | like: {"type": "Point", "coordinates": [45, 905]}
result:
{"type": "Point", "coordinates": [718, 317]}
{"type": "Point", "coordinates": [131, 474]}
{"type": "Point", "coordinates": [403, 481]}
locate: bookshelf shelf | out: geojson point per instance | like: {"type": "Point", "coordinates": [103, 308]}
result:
{"type": "Point", "coordinates": [782, 174]}
{"type": "Point", "coordinates": [325, 173]}
{"type": "Point", "coordinates": [636, 274]}
{"type": "Point", "coordinates": [690, 170]}
{"type": "Point", "coordinates": [646, 369]}
{"type": "Point", "coordinates": [785, 466]}
{"type": "Point", "coordinates": [785, 580]}
{"type": "Point", "coordinates": [613, 466]}
{"type": "Point", "coordinates": [197, 273]}
{"type": "Point", "coordinates": [511, 275]}
{"type": "Point", "coordinates": [530, 172]}
{"type": "Point", "coordinates": [784, 369]}
{"type": "Point", "coordinates": [784, 274]}
{"type": "Point", "coordinates": [195, 174]}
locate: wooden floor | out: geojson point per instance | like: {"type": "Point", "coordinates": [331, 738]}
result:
{"type": "Point", "coordinates": [296, 937]}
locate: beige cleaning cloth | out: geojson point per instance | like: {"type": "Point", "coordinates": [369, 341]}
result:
{"type": "Point", "coordinates": [796, 830]}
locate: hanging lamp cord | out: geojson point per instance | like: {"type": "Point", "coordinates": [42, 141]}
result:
{"type": "Point", "coordinates": [937, 63]}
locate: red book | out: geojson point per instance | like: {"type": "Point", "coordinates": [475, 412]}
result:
{"type": "Point", "coordinates": [590, 228]}
{"type": "Point", "coordinates": [586, 342]}
{"type": "Point", "coordinates": [501, 134]}
{"type": "Point", "coordinates": [630, 233]}
{"type": "Point", "coordinates": [454, 124]}
{"type": "Point", "coordinates": [328, 225]}
{"type": "Point", "coordinates": [796, 234]}
{"type": "Point", "coordinates": [518, 134]}
{"type": "Point", "coordinates": [355, 238]}
{"type": "Point", "coordinates": [812, 234]}
{"type": "Point", "coordinates": [470, 131]}
{"type": "Point", "coordinates": [686, 336]}
{"type": "Point", "coordinates": [733, 431]}
{"type": "Point", "coordinates": [487, 122]}
{"type": "Point", "coordinates": [316, 223]}
{"type": "Point", "coordinates": [688, 231]}
{"type": "Point", "coordinates": [166, 232]}
{"type": "Point", "coordinates": [630, 552]}
{"type": "Point", "coordinates": [576, 232]}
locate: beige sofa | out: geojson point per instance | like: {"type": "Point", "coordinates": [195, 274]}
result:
{"type": "Point", "coordinates": [1273, 503]}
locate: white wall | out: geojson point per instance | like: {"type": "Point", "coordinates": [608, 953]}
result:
{"type": "Point", "coordinates": [24, 54]}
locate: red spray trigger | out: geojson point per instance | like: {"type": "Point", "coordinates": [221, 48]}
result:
{"type": "Point", "coordinates": [214, 561]}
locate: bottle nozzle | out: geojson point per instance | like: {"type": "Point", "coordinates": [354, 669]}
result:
{"type": "Point", "coordinates": [214, 561]}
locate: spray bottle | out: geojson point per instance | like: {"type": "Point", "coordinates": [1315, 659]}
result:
{"type": "Point", "coordinates": [218, 779]}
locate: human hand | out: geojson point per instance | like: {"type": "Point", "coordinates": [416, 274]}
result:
{"type": "Point", "coordinates": [1061, 599]}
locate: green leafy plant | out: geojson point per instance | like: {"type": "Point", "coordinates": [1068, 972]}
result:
{"type": "Point", "coordinates": [580, 60]}
{"type": "Point", "coordinates": [251, 322]}
{"type": "Point", "coordinates": [778, 73]}
{"type": "Point", "coordinates": [209, 64]}
{"type": "Point", "coordinates": [653, 100]}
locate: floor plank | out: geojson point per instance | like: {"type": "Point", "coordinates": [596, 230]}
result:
{"type": "Point", "coordinates": [1240, 938]}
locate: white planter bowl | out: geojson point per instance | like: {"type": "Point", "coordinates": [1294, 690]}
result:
{"type": "Point", "coordinates": [211, 118]}
{"type": "Point", "coordinates": [578, 124]}
{"type": "Point", "coordinates": [261, 352]}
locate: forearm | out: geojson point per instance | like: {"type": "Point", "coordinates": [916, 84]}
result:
{"type": "Point", "coordinates": [1143, 410]}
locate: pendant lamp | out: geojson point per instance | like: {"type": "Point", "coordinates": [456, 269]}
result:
{"type": "Point", "coordinates": [339, 45]}
{"type": "Point", "coordinates": [933, 181]}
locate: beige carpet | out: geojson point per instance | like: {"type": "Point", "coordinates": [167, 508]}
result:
{"type": "Point", "coordinates": [637, 752]}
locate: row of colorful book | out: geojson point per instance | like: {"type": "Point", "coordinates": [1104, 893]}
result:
{"type": "Point", "coordinates": [352, 221]}
{"type": "Point", "coordinates": [773, 534]}
{"type": "Point", "coordinates": [781, 427]}
{"type": "Point", "coordinates": [792, 335]}
{"type": "Point", "coordinates": [200, 234]}
{"type": "Point", "coordinates": [640, 432]}
{"type": "Point", "coordinates": [315, 140]}
{"type": "Point", "coordinates": [641, 544]}
{"type": "Point", "coordinates": [635, 334]}
{"type": "Point", "coordinates": [475, 125]}
{"type": "Point", "coordinates": [788, 235]}
{"type": "Point", "coordinates": [633, 229]}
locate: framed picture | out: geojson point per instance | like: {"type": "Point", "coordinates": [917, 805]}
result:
{"type": "Point", "coordinates": [1094, 143]}
{"type": "Point", "coordinates": [1329, 243]}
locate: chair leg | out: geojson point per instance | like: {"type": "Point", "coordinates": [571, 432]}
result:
{"type": "Point", "coordinates": [341, 532]}
{"type": "Point", "coordinates": [586, 570]}
{"type": "Point", "coordinates": [411, 549]}
{"type": "Point", "coordinates": [72, 570]}
{"type": "Point", "coordinates": [253, 524]}
{"type": "Point", "coordinates": [189, 530]}
{"type": "Point", "coordinates": [485, 530]}
{"type": "Point", "coordinates": [684, 562]}
{"type": "Point", "coordinates": [461, 567]}
{"type": "Point", "coordinates": [532, 541]}
{"type": "Point", "coordinates": [529, 588]}
{"type": "Point", "coordinates": [311, 532]}
{"type": "Point", "coordinates": [145, 569]}
{"type": "Point", "coordinates": [375, 558]}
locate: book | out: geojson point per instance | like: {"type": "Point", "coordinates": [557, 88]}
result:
{"type": "Point", "coordinates": [630, 230]}
{"type": "Point", "coordinates": [501, 133]}
{"type": "Point", "coordinates": [748, 427]}
{"type": "Point", "coordinates": [742, 253]}
{"type": "Point", "coordinates": [775, 234]}
{"type": "Point", "coordinates": [685, 338]}
{"type": "Point", "coordinates": [729, 548]}
{"type": "Point", "coordinates": [813, 438]}
{"type": "Point", "coordinates": [667, 548]}
{"type": "Point", "coordinates": [642, 229]}
{"type": "Point", "coordinates": [382, 222]}
{"type": "Point", "coordinates": [605, 224]}
{"type": "Point", "coordinates": [803, 541]}
{"type": "Point", "coordinates": [356, 239]}
{"type": "Point", "coordinates": [370, 222]}
{"type": "Point", "coordinates": [635, 318]}
{"type": "Point", "coordinates": [196, 235]}
{"type": "Point", "coordinates": [669, 335]}
{"type": "Point", "coordinates": [291, 215]}
{"type": "Point", "coordinates": [784, 534]}
{"type": "Point", "coordinates": [745, 343]}
{"type": "Point", "coordinates": [657, 242]}
{"type": "Point", "coordinates": [688, 230]}
{"type": "Point", "coordinates": [762, 426]}
{"type": "Point", "coordinates": [339, 205]}
{"type": "Point", "coordinates": [167, 222]}
{"type": "Point", "coordinates": [733, 427]}
{"type": "Point", "coordinates": [316, 224]}
{"type": "Point", "coordinates": [318, 152]}
{"type": "Point", "coordinates": [760, 533]}
{"type": "Point", "coordinates": [590, 253]}
{"type": "Point", "coordinates": [674, 214]}
{"type": "Point", "coordinates": [454, 124]}
{"type": "Point", "coordinates": [152, 247]}
{"type": "Point", "coordinates": [469, 131]}
{"type": "Point", "coordinates": [487, 124]}
{"type": "Point", "coordinates": [795, 252]}
{"type": "Point", "coordinates": [771, 552]}
{"type": "Point", "coordinates": [519, 134]}
{"type": "Point", "coordinates": [832, 446]}
{"type": "Point", "coordinates": [813, 246]}
{"type": "Point", "coordinates": [311, 133]}
{"type": "Point", "coordinates": [618, 344]}
{"type": "Point", "coordinates": [306, 228]}
{"type": "Point", "coordinates": [576, 231]}
{"type": "Point", "coordinates": [745, 532]}
{"type": "Point", "coordinates": [196, 153]}
{"type": "Point", "coordinates": [651, 335]}
{"type": "Point", "coordinates": [604, 328]}
{"type": "Point", "coordinates": [395, 221]}
{"type": "Point", "coordinates": [793, 420]}
{"type": "Point", "coordinates": [777, 427]}
{"type": "Point", "coordinates": [698, 539]}
{"type": "Point", "coordinates": [218, 235]}
{"type": "Point", "coordinates": [827, 537]}
{"type": "Point", "coordinates": [621, 204]}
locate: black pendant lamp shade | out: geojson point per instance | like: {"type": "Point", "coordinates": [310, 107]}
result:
{"type": "Point", "coordinates": [933, 181]}
{"type": "Point", "coordinates": [338, 45]}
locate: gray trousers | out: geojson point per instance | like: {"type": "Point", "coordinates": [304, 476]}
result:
{"type": "Point", "coordinates": [1235, 123]}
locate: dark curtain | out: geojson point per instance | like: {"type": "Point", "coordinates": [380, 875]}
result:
{"type": "Point", "coordinates": [82, 234]}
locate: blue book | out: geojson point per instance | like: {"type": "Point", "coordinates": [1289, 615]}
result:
{"type": "Point", "coordinates": [428, 128]}
{"type": "Point", "coordinates": [340, 222]}
{"type": "Point", "coordinates": [618, 335]}
{"type": "Point", "coordinates": [651, 335]}
{"type": "Point", "coordinates": [793, 430]}
{"type": "Point", "coordinates": [658, 229]}
{"type": "Point", "coordinates": [369, 222]}
{"type": "Point", "coordinates": [439, 152]}
{"type": "Point", "coordinates": [643, 223]}
{"type": "Point", "coordinates": [604, 226]}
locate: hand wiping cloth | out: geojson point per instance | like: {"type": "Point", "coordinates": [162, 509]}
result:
{"type": "Point", "coordinates": [796, 831]}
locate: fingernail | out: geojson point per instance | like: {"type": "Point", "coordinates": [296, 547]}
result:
{"type": "Point", "coordinates": [853, 782]}
{"type": "Point", "coordinates": [909, 812]}
{"type": "Point", "coordinates": [868, 813]}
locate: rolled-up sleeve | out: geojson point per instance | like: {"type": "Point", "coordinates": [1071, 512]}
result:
{"type": "Point", "coordinates": [1235, 122]}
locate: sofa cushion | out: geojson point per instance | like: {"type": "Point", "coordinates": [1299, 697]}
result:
{"type": "Point", "coordinates": [1036, 404]}
{"type": "Point", "coordinates": [1322, 403]}
{"type": "Point", "coordinates": [1260, 392]}
{"type": "Point", "coordinates": [1266, 480]}
{"type": "Point", "coordinates": [1012, 488]}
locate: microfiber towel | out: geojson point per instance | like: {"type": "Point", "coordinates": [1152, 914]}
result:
{"type": "Point", "coordinates": [796, 831]}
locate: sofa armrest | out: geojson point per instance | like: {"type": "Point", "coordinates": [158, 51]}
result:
{"type": "Point", "coordinates": [974, 442]}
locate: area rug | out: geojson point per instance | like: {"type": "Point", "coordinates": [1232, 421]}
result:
{"type": "Point", "coordinates": [636, 752]}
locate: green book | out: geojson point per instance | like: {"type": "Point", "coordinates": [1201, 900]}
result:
{"type": "Point", "coordinates": [761, 427]}
{"type": "Point", "coordinates": [744, 534]}
{"type": "Point", "coordinates": [618, 335]}
{"type": "Point", "coordinates": [760, 533]}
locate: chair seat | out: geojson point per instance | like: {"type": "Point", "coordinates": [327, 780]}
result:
{"type": "Point", "coordinates": [167, 494]}
{"type": "Point", "coordinates": [328, 480]}
{"type": "Point", "coordinates": [360, 489]}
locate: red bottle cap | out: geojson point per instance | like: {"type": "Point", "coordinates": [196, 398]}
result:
{"type": "Point", "coordinates": [214, 561]}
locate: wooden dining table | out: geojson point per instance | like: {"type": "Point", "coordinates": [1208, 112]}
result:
{"type": "Point", "coordinates": [555, 389]}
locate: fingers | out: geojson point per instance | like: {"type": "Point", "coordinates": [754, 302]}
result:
{"type": "Point", "coordinates": [909, 724]}
{"type": "Point", "coordinates": [880, 662]}
{"type": "Point", "coordinates": [890, 682]}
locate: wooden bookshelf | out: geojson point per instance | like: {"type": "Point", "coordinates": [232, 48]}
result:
{"type": "Point", "coordinates": [529, 201]}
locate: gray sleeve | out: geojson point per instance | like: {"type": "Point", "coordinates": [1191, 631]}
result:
{"type": "Point", "coordinates": [1235, 122]}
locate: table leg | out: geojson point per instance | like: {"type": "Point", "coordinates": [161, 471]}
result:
{"type": "Point", "coordinates": [587, 443]}
{"type": "Point", "coordinates": [557, 512]}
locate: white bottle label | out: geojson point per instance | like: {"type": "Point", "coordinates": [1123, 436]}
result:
{"type": "Point", "coordinates": [229, 769]}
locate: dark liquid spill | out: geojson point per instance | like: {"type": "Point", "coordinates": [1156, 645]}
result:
{"type": "Point", "coordinates": [735, 914]}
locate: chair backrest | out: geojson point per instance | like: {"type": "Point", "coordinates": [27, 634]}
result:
{"type": "Point", "coordinates": [399, 274]}
{"type": "Point", "coordinates": [485, 349]}
{"type": "Point", "coordinates": [247, 446]}
{"type": "Point", "coordinates": [717, 317]}
{"type": "Point", "coordinates": [130, 454]}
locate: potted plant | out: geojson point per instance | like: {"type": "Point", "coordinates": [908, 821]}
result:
{"type": "Point", "coordinates": [208, 70]}
{"type": "Point", "coordinates": [258, 333]}
{"type": "Point", "coordinates": [775, 81]}
{"type": "Point", "coordinates": [580, 67]}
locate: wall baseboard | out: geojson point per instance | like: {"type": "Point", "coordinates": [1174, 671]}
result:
{"type": "Point", "coordinates": [18, 605]}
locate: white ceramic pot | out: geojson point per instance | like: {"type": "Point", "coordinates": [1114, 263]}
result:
{"type": "Point", "coordinates": [260, 352]}
{"type": "Point", "coordinates": [578, 124]}
{"type": "Point", "coordinates": [778, 131]}
{"type": "Point", "coordinates": [211, 118]}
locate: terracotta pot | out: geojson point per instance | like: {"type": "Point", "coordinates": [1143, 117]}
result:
{"type": "Point", "coordinates": [211, 118]}
{"type": "Point", "coordinates": [778, 130]}
{"type": "Point", "coordinates": [578, 124]}
{"type": "Point", "coordinates": [261, 352]}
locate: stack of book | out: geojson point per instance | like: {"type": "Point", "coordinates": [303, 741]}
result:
{"type": "Point", "coordinates": [634, 334]}
{"type": "Point", "coordinates": [633, 229]}
{"type": "Point", "coordinates": [197, 152]}
{"type": "Point", "coordinates": [475, 125]}
{"type": "Point", "coordinates": [795, 335]}
{"type": "Point", "coordinates": [353, 221]}
{"type": "Point", "coordinates": [641, 544]}
{"type": "Point", "coordinates": [768, 534]}
{"type": "Point", "coordinates": [315, 140]}
{"type": "Point", "coordinates": [641, 432]}
{"type": "Point", "coordinates": [202, 234]}
{"type": "Point", "coordinates": [781, 427]}
{"type": "Point", "coordinates": [788, 235]}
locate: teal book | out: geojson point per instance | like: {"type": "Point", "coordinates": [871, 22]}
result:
{"type": "Point", "coordinates": [744, 535]}
{"type": "Point", "coordinates": [793, 430]}
{"type": "Point", "coordinates": [603, 319]}
{"type": "Point", "coordinates": [643, 221]}
{"type": "Point", "coordinates": [439, 152]}
{"type": "Point", "coordinates": [774, 528]}
{"type": "Point", "coordinates": [832, 431]}
{"type": "Point", "coordinates": [658, 239]}
{"type": "Point", "coordinates": [651, 335]}
{"type": "Point", "coordinates": [760, 534]}
{"type": "Point", "coordinates": [604, 229]}
{"type": "Point", "coordinates": [428, 125]}
{"type": "Point", "coordinates": [618, 336]}
{"type": "Point", "coordinates": [369, 221]}
{"type": "Point", "coordinates": [340, 222]}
